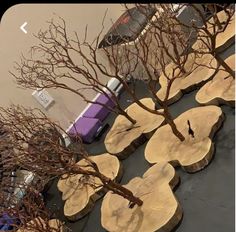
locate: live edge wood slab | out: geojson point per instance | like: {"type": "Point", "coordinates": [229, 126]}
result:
{"type": "Point", "coordinates": [77, 190]}
{"type": "Point", "coordinates": [223, 39]}
{"type": "Point", "coordinates": [160, 211]}
{"type": "Point", "coordinates": [227, 38]}
{"type": "Point", "coordinates": [194, 153]}
{"type": "Point", "coordinates": [123, 137]}
{"type": "Point", "coordinates": [198, 71]}
{"type": "Point", "coordinates": [220, 90]}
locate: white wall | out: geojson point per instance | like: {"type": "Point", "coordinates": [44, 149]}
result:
{"type": "Point", "coordinates": [13, 42]}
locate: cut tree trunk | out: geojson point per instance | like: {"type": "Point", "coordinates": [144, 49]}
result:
{"type": "Point", "coordinates": [194, 153]}
{"type": "Point", "coordinates": [224, 39]}
{"type": "Point", "coordinates": [123, 137]}
{"type": "Point", "coordinates": [160, 210]}
{"type": "Point", "coordinates": [220, 90]}
{"type": "Point", "coordinates": [196, 76]}
{"type": "Point", "coordinates": [78, 191]}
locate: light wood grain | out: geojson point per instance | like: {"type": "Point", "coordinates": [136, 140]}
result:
{"type": "Point", "coordinates": [80, 197]}
{"type": "Point", "coordinates": [220, 90]}
{"type": "Point", "coordinates": [123, 137]}
{"type": "Point", "coordinates": [160, 210]}
{"type": "Point", "coordinates": [198, 71]}
{"type": "Point", "coordinates": [192, 154]}
{"type": "Point", "coordinates": [223, 39]}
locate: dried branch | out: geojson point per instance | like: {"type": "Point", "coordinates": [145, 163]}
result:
{"type": "Point", "coordinates": [55, 60]}
{"type": "Point", "coordinates": [209, 30]}
{"type": "Point", "coordinates": [58, 59]}
{"type": "Point", "coordinates": [31, 214]}
{"type": "Point", "coordinates": [39, 147]}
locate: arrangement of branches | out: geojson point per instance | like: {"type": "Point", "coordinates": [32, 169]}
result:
{"type": "Point", "coordinates": [62, 60]}
{"type": "Point", "coordinates": [21, 205]}
{"type": "Point", "coordinates": [59, 59]}
{"type": "Point", "coordinates": [209, 29]}
{"type": "Point", "coordinates": [30, 214]}
{"type": "Point", "coordinates": [39, 148]}
{"type": "Point", "coordinates": [31, 141]}
{"type": "Point", "coordinates": [53, 61]}
{"type": "Point", "coordinates": [162, 42]}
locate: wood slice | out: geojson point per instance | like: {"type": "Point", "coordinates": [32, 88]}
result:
{"type": "Point", "coordinates": [192, 154]}
{"type": "Point", "coordinates": [79, 195]}
{"type": "Point", "coordinates": [123, 137]}
{"type": "Point", "coordinates": [38, 224]}
{"type": "Point", "coordinates": [223, 39]}
{"type": "Point", "coordinates": [198, 71]}
{"type": "Point", "coordinates": [220, 90]}
{"type": "Point", "coordinates": [160, 210]}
